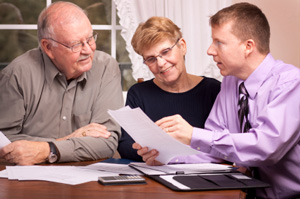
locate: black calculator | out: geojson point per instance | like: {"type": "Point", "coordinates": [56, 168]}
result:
{"type": "Point", "coordinates": [120, 180]}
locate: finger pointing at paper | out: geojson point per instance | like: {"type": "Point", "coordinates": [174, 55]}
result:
{"type": "Point", "coordinates": [177, 127]}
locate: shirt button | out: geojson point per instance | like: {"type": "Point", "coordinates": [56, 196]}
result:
{"type": "Point", "coordinates": [176, 160]}
{"type": "Point", "coordinates": [198, 148]}
{"type": "Point", "coordinates": [64, 117]}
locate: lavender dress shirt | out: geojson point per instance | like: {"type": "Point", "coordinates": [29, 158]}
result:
{"type": "Point", "coordinates": [272, 144]}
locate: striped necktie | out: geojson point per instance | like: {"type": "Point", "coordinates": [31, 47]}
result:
{"type": "Point", "coordinates": [243, 109]}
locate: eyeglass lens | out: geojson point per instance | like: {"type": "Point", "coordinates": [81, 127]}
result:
{"type": "Point", "coordinates": [163, 54]}
{"type": "Point", "coordinates": [90, 41]}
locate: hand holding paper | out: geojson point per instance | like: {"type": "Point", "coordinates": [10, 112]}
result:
{"type": "Point", "coordinates": [148, 156]}
{"type": "Point", "coordinates": [146, 133]}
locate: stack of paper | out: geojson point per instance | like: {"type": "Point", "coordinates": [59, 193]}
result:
{"type": "Point", "coordinates": [71, 175]}
{"type": "Point", "coordinates": [62, 174]}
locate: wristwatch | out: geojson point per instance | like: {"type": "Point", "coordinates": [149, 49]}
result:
{"type": "Point", "coordinates": [54, 155]}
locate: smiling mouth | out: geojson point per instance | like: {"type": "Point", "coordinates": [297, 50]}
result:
{"type": "Point", "coordinates": [84, 58]}
{"type": "Point", "coordinates": [166, 70]}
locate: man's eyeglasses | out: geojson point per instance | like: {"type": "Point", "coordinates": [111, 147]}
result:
{"type": "Point", "coordinates": [79, 45]}
{"type": "Point", "coordinates": [152, 60]}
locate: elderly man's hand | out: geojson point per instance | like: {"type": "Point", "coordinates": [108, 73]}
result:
{"type": "Point", "coordinates": [25, 152]}
{"type": "Point", "coordinates": [90, 130]}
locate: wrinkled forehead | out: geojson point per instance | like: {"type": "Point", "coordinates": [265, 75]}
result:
{"type": "Point", "coordinates": [71, 23]}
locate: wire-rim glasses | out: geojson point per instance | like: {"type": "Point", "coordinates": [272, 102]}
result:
{"type": "Point", "coordinates": [79, 45]}
{"type": "Point", "coordinates": [152, 60]}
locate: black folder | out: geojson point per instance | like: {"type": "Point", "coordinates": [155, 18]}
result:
{"type": "Point", "coordinates": [214, 181]}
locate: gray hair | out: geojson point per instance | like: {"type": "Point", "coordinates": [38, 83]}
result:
{"type": "Point", "coordinates": [45, 25]}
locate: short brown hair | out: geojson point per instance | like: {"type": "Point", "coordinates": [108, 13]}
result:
{"type": "Point", "coordinates": [249, 22]}
{"type": "Point", "coordinates": [154, 30]}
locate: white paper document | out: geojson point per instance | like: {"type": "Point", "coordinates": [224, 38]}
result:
{"type": "Point", "coordinates": [3, 174]}
{"type": "Point", "coordinates": [145, 132]}
{"type": "Point", "coordinates": [71, 175]}
{"type": "Point", "coordinates": [114, 168]}
{"type": "Point", "coordinates": [3, 140]}
{"type": "Point", "coordinates": [182, 168]}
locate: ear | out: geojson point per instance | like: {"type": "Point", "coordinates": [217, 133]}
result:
{"type": "Point", "coordinates": [249, 46]}
{"type": "Point", "coordinates": [182, 44]}
{"type": "Point", "coordinates": [47, 48]}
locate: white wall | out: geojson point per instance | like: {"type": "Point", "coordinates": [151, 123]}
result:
{"type": "Point", "coordinates": [284, 20]}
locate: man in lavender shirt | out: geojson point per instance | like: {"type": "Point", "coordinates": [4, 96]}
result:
{"type": "Point", "coordinates": [271, 148]}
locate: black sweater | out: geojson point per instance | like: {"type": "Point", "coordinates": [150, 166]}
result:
{"type": "Point", "coordinates": [194, 106]}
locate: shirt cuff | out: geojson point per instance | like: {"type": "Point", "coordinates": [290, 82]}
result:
{"type": "Point", "coordinates": [202, 140]}
{"type": "Point", "coordinates": [178, 160]}
{"type": "Point", "coordinates": [65, 147]}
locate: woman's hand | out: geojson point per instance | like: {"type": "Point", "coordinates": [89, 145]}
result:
{"type": "Point", "coordinates": [148, 156]}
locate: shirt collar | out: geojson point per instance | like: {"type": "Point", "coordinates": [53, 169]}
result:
{"type": "Point", "coordinates": [50, 69]}
{"type": "Point", "coordinates": [82, 79]}
{"type": "Point", "coordinates": [259, 75]}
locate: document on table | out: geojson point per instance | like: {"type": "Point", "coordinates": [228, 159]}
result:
{"type": "Point", "coordinates": [71, 175]}
{"type": "Point", "coordinates": [143, 130]}
{"type": "Point", "coordinates": [182, 168]}
{"type": "Point", "coordinates": [3, 174]}
{"type": "Point", "coordinates": [3, 140]}
{"type": "Point", "coordinates": [123, 169]}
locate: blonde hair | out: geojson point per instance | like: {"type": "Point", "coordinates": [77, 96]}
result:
{"type": "Point", "coordinates": [153, 31]}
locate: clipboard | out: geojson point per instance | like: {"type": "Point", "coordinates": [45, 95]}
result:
{"type": "Point", "coordinates": [206, 182]}
{"type": "Point", "coordinates": [208, 176]}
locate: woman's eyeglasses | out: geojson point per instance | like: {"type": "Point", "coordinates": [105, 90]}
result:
{"type": "Point", "coordinates": [152, 60]}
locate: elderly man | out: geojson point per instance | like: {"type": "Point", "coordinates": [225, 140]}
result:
{"type": "Point", "coordinates": [54, 99]}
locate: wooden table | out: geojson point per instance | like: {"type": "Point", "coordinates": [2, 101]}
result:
{"type": "Point", "coordinates": [13, 189]}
